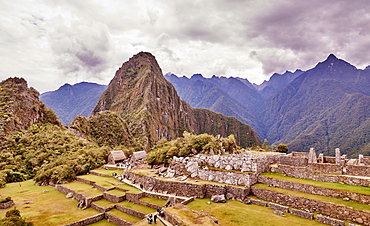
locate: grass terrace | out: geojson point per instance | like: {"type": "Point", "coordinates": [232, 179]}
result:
{"type": "Point", "coordinates": [104, 203]}
{"type": "Point", "coordinates": [129, 188]}
{"type": "Point", "coordinates": [329, 185]}
{"type": "Point", "coordinates": [158, 202]}
{"type": "Point", "coordinates": [105, 182]}
{"type": "Point", "coordinates": [108, 172]}
{"type": "Point", "coordinates": [116, 192]}
{"type": "Point", "coordinates": [124, 216]}
{"type": "Point", "coordinates": [235, 213]}
{"type": "Point", "coordinates": [49, 208]}
{"type": "Point", "coordinates": [140, 208]}
{"type": "Point", "coordinates": [338, 201]}
{"type": "Point", "coordinates": [103, 223]}
{"type": "Point", "coordinates": [85, 189]}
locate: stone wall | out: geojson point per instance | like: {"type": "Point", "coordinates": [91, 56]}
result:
{"type": "Point", "coordinates": [99, 174]}
{"type": "Point", "coordinates": [310, 189]}
{"type": "Point", "coordinates": [5, 205]}
{"type": "Point", "coordinates": [76, 195]}
{"type": "Point", "coordinates": [100, 208]}
{"type": "Point", "coordinates": [328, 220]}
{"type": "Point", "coordinates": [258, 202]}
{"type": "Point", "coordinates": [131, 211]}
{"type": "Point", "coordinates": [82, 180]}
{"type": "Point", "coordinates": [301, 213]}
{"type": "Point", "coordinates": [330, 209]}
{"type": "Point", "coordinates": [325, 168]}
{"type": "Point", "coordinates": [187, 189]}
{"type": "Point", "coordinates": [293, 160]}
{"type": "Point", "coordinates": [113, 198]}
{"type": "Point", "coordinates": [89, 220]}
{"type": "Point", "coordinates": [275, 206]}
{"type": "Point", "coordinates": [303, 172]}
{"type": "Point", "coordinates": [116, 220]}
{"type": "Point", "coordinates": [358, 170]}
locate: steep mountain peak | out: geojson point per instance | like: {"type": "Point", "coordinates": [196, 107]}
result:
{"type": "Point", "coordinates": [142, 97]}
{"type": "Point", "coordinates": [197, 76]}
{"type": "Point", "coordinates": [20, 107]}
{"type": "Point", "coordinates": [333, 65]}
{"type": "Point", "coordinates": [331, 57]}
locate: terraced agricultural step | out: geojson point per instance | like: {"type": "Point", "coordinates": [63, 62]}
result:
{"type": "Point", "coordinates": [333, 207]}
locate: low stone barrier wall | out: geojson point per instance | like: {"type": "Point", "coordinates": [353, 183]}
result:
{"type": "Point", "coordinates": [330, 209]}
{"type": "Point", "coordinates": [113, 198]}
{"type": "Point", "coordinates": [279, 207]}
{"type": "Point", "coordinates": [99, 174]}
{"type": "Point", "coordinates": [82, 180]}
{"type": "Point", "coordinates": [328, 220]}
{"type": "Point", "coordinates": [133, 197]}
{"type": "Point", "coordinates": [116, 220]}
{"type": "Point", "coordinates": [302, 213]}
{"type": "Point", "coordinates": [259, 202]}
{"type": "Point", "coordinates": [131, 211]}
{"type": "Point", "coordinates": [101, 188]}
{"type": "Point", "coordinates": [310, 189]}
{"type": "Point", "coordinates": [6, 205]}
{"type": "Point", "coordinates": [88, 221]}
{"type": "Point", "coordinates": [172, 219]}
{"type": "Point", "coordinates": [187, 189]}
{"type": "Point", "coordinates": [76, 195]}
{"type": "Point", "coordinates": [187, 201]}
{"type": "Point", "coordinates": [100, 208]}
{"type": "Point", "coordinates": [162, 196]}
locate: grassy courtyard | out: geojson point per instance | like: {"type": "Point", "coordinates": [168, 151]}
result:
{"type": "Point", "coordinates": [235, 213]}
{"type": "Point", "coordinates": [43, 205]}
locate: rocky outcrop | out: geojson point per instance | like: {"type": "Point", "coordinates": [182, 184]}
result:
{"type": "Point", "coordinates": [150, 106]}
{"type": "Point", "coordinates": [20, 107]}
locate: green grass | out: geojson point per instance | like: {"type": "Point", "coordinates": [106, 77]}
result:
{"type": "Point", "coordinates": [235, 213]}
{"type": "Point", "coordinates": [108, 172]}
{"type": "Point", "coordinates": [103, 223]}
{"type": "Point", "coordinates": [104, 203]}
{"type": "Point", "coordinates": [354, 205]}
{"type": "Point", "coordinates": [130, 188]}
{"type": "Point", "coordinates": [140, 208]}
{"type": "Point", "coordinates": [335, 186]}
{"type": "Point", "coordinates": [158, 202]}
{"type": "Point", "coordinates": [105, 182]}
{"type": "Point", "coordinates": [43, 208]}
{"type": "Point", "coordinates": [85, 189]}
{"type": "Point", "coordinates": [116, 192]}
{"type": "Point", "coordinates": [124, 216]}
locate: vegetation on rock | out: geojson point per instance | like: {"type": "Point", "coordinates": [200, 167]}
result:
{"type": "Point", "coordinates": [190, 144]}
{"type": "Point", "coordinates": [47, 153]}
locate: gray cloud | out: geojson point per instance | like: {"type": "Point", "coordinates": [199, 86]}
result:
{"type": "Point", "coordinates": [53, 42]}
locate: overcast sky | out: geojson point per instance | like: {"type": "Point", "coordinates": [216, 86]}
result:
{"type": "Point", "coordinates": [50, 43]}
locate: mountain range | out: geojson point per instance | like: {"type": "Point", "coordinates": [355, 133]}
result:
{"type": "Point", "coordinates": [325, 107]}
{"type": "Point", "coordinates": [72, 100]}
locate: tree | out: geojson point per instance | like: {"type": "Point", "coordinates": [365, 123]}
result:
{"type": "Point", "coordinates": [13, 218]}
{"type": "Point", "coordinates": [283, 148]}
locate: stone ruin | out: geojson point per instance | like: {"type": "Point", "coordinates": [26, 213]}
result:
{"type": "Point", "coordinates": [235, 169]}
{"type": "Point", "coordinates": [243, 169]}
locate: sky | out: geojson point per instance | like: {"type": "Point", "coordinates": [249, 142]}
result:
{"type": "Point", "coordinates": [50, 43]}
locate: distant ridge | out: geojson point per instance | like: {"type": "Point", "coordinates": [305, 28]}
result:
{"type": "Point", "coordinates": [72, 100]}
